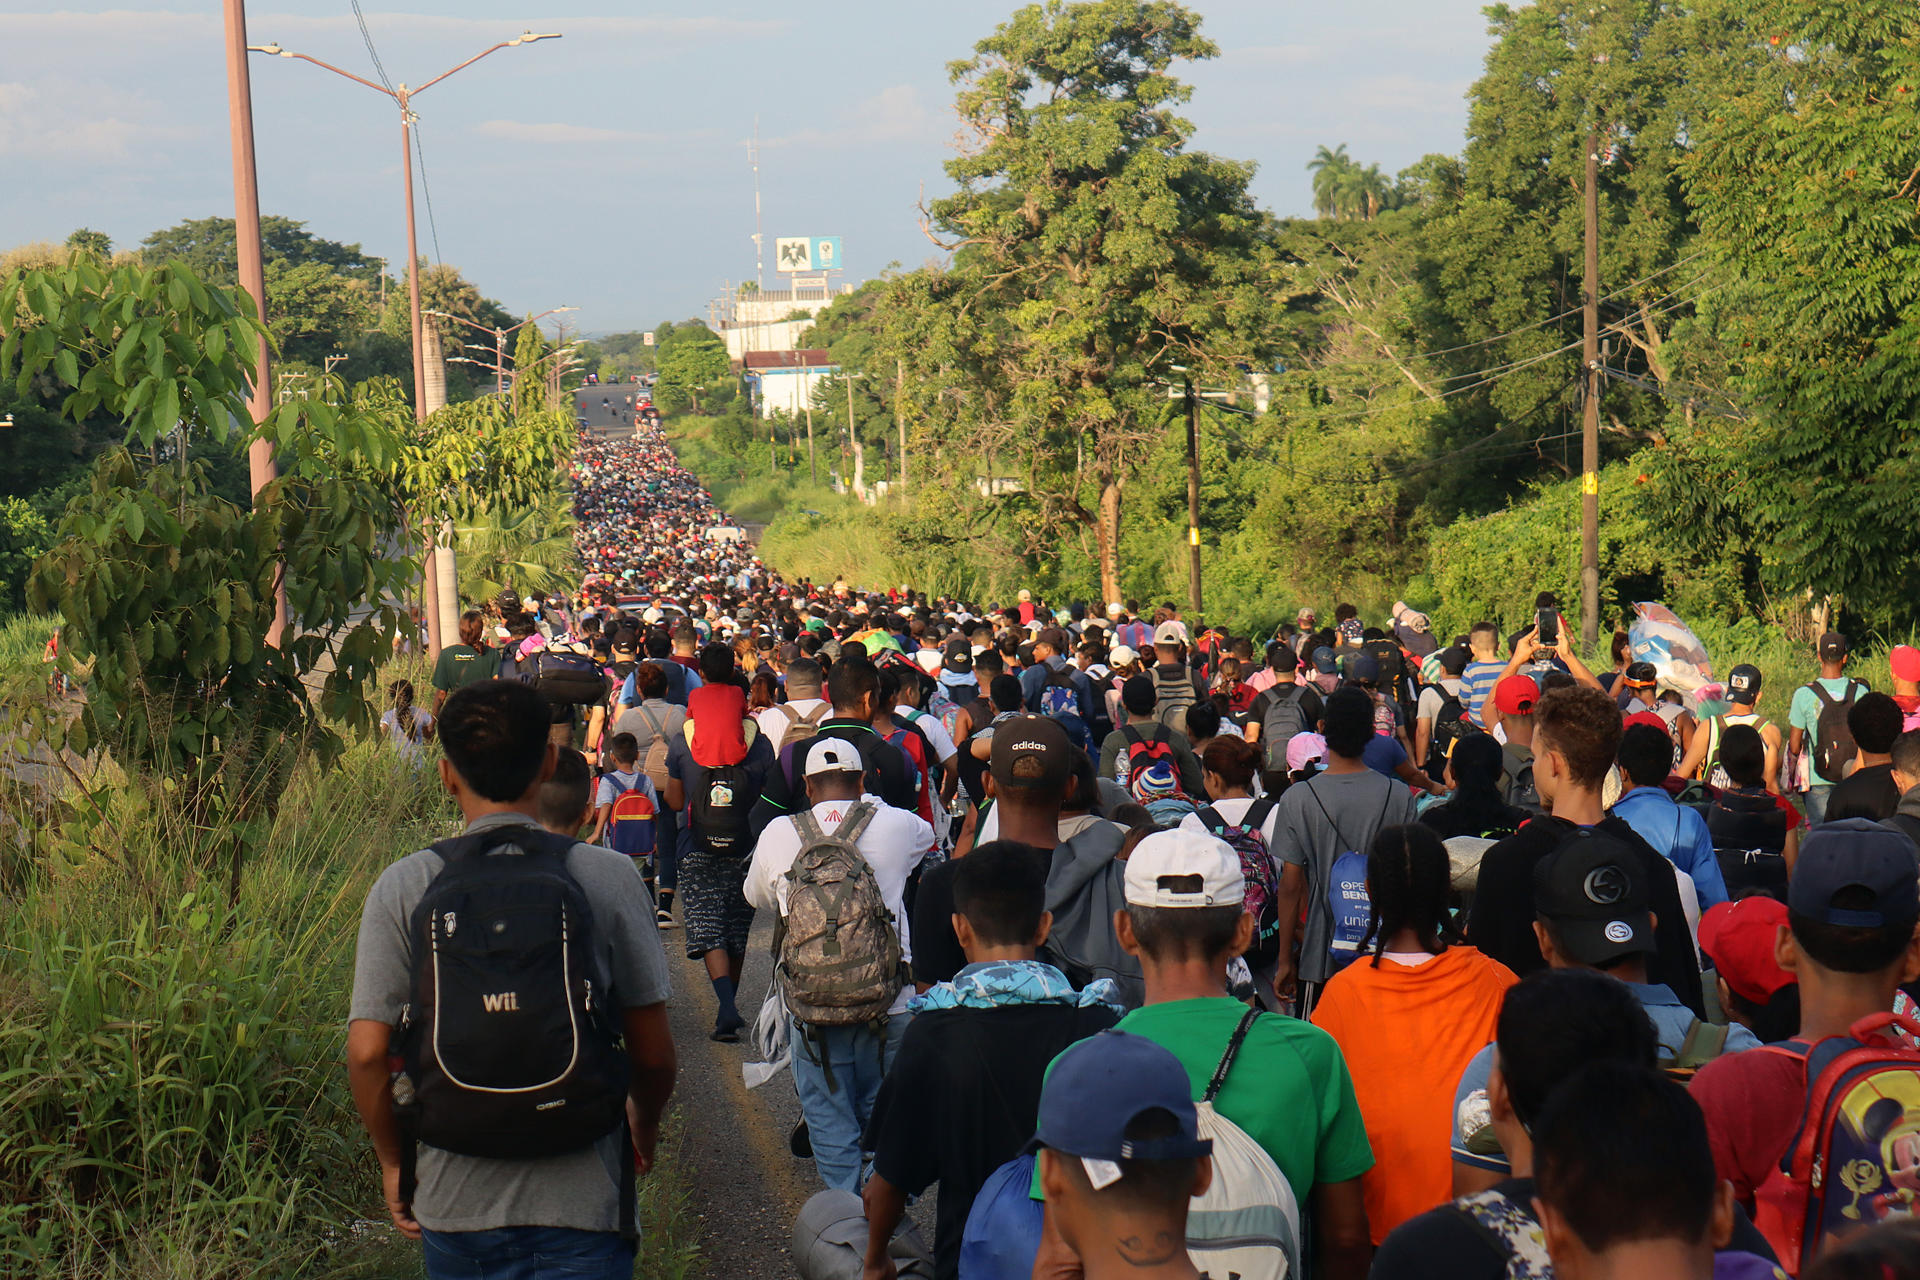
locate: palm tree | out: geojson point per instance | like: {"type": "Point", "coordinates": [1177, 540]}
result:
{"type": "Point", "coordinates": [528, 548]}
{"type": "Point", "coordinates": [1329, 168]}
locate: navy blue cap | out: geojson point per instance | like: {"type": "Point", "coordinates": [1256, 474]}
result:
{"type": "Point", "coordinates": [1324, 661]}
{"type": "Point", "coordinates": [1099, 1086]}
{"type": "Point", "coordinates": [1857, 853]}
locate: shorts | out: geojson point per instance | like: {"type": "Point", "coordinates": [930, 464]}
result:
{"type": "Point", "coordinates": [713, 906]}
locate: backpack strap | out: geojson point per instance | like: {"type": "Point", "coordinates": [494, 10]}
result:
{"type": "Point", "coordinates": [1211, 819]}
{"type": "Point", "coordinates": [1131, 736]}
{"type": "Point", "coordinates": [1238, 1038]}
{"type": "Point", "coordinates": [654, 724]}
{"type": "Point", "coordinates": [1256, 816]}
{"type": "Point", "coordinates": [855, 824]}
{"type": "Point", "coordinates": [1703, 1042]}
{"type": "Point", "coordinates": [809, 828]}
{"type": "Point", "coordinates": [525, 836]}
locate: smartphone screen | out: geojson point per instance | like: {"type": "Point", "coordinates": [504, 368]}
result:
{"type": "Point", "coordinates": [1548, 622]}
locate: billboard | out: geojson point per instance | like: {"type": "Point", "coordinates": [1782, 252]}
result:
{"type": "Point", "coordinates": [793, 253]}
{"type": "Point", "coordinates": [806, 253]}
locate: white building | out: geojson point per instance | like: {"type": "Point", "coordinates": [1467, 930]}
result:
{"type": "Point", "coordinates": [785, 380]}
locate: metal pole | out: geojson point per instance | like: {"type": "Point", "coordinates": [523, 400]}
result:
{"type": "Point", "coordinates": [813, 461]}
{"type": "Point", "coordinates": [252, 267]}
{"type": "Point", "coordinates": [1590, 426]}
{"type": "Point", "coordinates": [431, 567]}
{"type": "Point", "coordinates": [900, 414]}
{"type": "Point", "coordinates": [1193, 498]}
{"type": "Point", "coordinates": [500, 361]}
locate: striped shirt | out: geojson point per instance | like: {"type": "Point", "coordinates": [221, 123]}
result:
{"type": "Point", "coordinates": [1476, 685]}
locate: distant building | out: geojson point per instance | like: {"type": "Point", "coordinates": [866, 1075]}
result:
{"type": "Point", "coordinates": [774, 319]}
{"type": "Point", "coordinates": [785, 380]}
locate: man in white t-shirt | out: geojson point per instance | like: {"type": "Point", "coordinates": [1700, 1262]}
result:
{"type": "Point", "coordinates": [1433, 698]}
{"type": "Point", "coordinates": [803, 703]}
{"type": "Point", "coordinates": [838, 1070]}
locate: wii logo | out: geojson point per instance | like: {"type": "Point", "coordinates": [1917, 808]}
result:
{"type": "Point", "coordinates": [501, 1002]}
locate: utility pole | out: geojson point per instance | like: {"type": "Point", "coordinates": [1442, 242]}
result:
{"type": "Point", "coordinates": [439, 544]}
{"type": "Point", "coordinates": [1193, 497]}
{"type": "Point", "coordinates": [253, 273]}
{"type": "Point", "coordinates": [813, 462]}
{"type": "Point", "coordinates": [900, 415]}
{"type": "Point", "coordinates": [1590, 425]}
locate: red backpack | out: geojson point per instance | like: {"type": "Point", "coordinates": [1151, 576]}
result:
{"type": "Point", "coordinates": [631, 823]}
{"type": "Point", "coordinates": [914, 747]}
{"type": "Point", "coordinates": [1856, 1157]}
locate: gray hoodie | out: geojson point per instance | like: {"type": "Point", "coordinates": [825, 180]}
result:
{"type": "Point", "coordinates": [1085, 886]}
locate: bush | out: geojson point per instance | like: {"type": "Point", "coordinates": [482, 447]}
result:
{"type": "Point", "coordinates": [172, 1100]}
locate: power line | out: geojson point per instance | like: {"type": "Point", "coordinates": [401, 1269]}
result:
{"type": "Point", "coordinates": [427, 191]}
{"type": "Point", "coordinates": [366, 35]}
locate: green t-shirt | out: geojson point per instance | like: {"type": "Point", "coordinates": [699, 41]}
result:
{"type": "Point", "coordinates": [461, 664]}
{"type": "Point", "coordinates": [1804, 714]}
{"type": "Point", "coordinates": [1289, 1087]}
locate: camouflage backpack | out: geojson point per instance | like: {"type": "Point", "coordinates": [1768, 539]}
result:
{"type": "Point", "coordinates": [837, 948]}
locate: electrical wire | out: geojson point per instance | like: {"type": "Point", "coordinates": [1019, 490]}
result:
{"type": "Point", "coordinates": [420, 154]}
{"type": "Point", "coordinates": [378, 68]}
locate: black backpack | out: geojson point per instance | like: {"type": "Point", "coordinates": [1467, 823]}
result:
{"type": "Point", "coordinates": [1284, 717]}
{"type": "Point", "coordinates": [1833, 747]}
{"type": "Point", "coordinates": [568, 679]}
{"type": "Point", "coordinates": [1450, 725]}
{"type": "Point", "coordinates": [509, 1044]}
{"type": "Point", "coordinates": [719, 805]}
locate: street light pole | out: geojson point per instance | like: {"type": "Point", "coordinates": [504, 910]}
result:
{"type": "Point", "coordinates": [403, 97]}
{"type": "Point", "coordinates": [1193, 497]}
{"type": "Point", "coordinates": [252, 268]}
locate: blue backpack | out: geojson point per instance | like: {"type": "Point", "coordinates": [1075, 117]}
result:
{"type": "Point", "coordinates": [1346, 892]}
{"type": "Point", "coordinates": [1060, 701]}
{"type": "Point", "coordinates": [631, 826]}
{"type": "Point", "coordinates": [1002, 1237]}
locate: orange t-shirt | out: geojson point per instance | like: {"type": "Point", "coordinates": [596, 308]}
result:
{"type": "Point", "coordinates": [1408, 1032]}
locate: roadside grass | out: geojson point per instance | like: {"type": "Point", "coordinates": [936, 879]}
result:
{"type": "Point", "coordinates": [753, 488]}
{"type": "Point", "coordinates": [173, 1095]}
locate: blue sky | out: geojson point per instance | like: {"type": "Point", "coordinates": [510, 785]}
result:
{"type": "Point", "coordinates": [608, 170]}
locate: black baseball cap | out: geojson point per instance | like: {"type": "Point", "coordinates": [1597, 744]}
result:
{"type": "Point", "coordinates": [958, 655]}
{"type": "Point", "coordinates": [1031, 751]}
{"type": "Point", "coordinates": [1137, 695]}
{"type": "Point", "coordinates": [1593, 895]}
{"type": "Point", "coordinates": [1834, 646]}
{"type": "Point", "coordinates": [1856, 853]}
{"type": "Point", "coordinates": [1743, 683]}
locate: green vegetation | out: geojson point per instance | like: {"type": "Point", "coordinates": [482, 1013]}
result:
{"type": "Point", "coordinates": [1402, 374]}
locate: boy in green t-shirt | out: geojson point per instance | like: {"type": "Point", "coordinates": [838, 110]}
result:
{"type": "Point", "coordinates": [1289, 1088]}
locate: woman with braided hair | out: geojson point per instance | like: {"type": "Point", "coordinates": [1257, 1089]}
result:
{"type": "Point", "coordinates": [1409, 1015]}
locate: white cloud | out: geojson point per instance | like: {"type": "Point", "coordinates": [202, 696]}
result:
{"type": "Point", "coordinates": [78, 123]}
{"type": "Point", "coordinates": [1273, 55]}
{"type": "Point", "coordinates": [895, 114]}
{"type": "Point", "coordinates": [128, 26]}
{"type": "Point", "coordinates": [559, 133]}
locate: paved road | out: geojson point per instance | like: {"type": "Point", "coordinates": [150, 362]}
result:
{"type": "Point", "coordinates": [747, 1186]}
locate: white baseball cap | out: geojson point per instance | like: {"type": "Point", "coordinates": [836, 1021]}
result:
{"type": "Point", "coordinates": [1121, 655]}
{"type": "Point", "coordinates": [930, 661]}
{"type": "Point", "coordinates": [833, 755]}
{"type": "Point", "coordinates": [1184, 853]}
{"type": "Point", "coordinates": [1172, 631]}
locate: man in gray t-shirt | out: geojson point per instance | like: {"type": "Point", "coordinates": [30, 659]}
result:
{"type": "Point", "coordinates": [1315, 822]}
{"type": "Point", "coordinates": [469, 1210]}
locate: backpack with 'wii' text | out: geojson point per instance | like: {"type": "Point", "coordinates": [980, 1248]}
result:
{"type": "Point", "coordinates": [509, 1043]}
{"type": "Point", "coordinates": [837, 947]}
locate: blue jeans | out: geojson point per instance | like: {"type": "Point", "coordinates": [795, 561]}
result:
{"type": "Point", "coordinates": [666, 850]}
{"type": "Point", "coordinates": [1817, 805]}
{"type": "Point", "coordinates": [837, 1116]}
{"type": "Point", "coordinates": [527, 1253]}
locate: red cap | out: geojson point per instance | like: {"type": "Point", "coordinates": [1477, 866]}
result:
{"type": "Point", "coordinates": [1906, 662]}
{"type": "Point", "coordinates": [1516, 695]}
{"type": "Point", "coordinates": [1739, 938]}
{"type": "Point", "coordinates": [1647, 718]}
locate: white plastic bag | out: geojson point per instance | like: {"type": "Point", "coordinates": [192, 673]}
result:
{"type": "Point", "coordinates": [1679, 659]}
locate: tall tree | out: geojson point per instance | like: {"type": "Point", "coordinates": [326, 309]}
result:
{"type": "Point", "coordinates": [1805, 181]}
{"type": "Point", "coordinates": [87, 240]}
{"type": "Point", "coordinates": [207, 246]}
{"type": "Point", "coordinates": [1106, 251]}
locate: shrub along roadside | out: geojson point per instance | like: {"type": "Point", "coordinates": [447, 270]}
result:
{"type": "Point", "coordinates": [173, 1096]}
